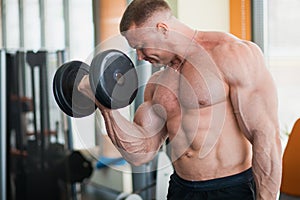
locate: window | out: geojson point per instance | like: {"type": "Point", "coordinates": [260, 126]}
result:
{"type": "Point", "coordinates": [283, 57]}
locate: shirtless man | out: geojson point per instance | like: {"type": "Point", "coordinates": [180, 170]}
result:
{"type": "Point", "coordinates": [215, 101]}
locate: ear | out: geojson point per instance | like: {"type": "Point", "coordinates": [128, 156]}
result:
{"type": "Point", "coordinates": [163, 28]}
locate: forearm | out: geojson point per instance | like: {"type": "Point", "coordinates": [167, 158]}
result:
{"type": "Point", "coordinates": [134, 142]}
{"type": "Point", "coordinates": [267, 166]}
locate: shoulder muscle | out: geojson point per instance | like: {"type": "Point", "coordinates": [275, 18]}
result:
{"type": "Point", "coordinates": [242, 62]}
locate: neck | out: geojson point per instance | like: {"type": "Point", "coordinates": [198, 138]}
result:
{"type": "Point", "coordinates": [186, 51]}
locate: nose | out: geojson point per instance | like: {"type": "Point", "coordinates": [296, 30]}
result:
{"type": "Point", "coordinates": [140, 54]}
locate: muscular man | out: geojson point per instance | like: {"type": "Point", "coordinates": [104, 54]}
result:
{"type": "Point", "coordinates": [215, 101]}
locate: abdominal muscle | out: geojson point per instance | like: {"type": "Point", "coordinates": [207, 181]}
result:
{"type": "Point", "coordinates": [206, 143]}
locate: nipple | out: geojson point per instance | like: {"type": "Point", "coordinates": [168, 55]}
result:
{"type": "Point", "coordinates": [189, 154]}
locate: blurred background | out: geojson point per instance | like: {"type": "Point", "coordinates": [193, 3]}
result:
{"type": "Point", "coordinates": [46, 154]}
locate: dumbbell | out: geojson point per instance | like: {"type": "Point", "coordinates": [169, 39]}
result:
{"type": "Point", "coordinates": [113, 80]}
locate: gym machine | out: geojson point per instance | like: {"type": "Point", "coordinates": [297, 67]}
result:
{"type": "Point", "coordinates": [39, 166]}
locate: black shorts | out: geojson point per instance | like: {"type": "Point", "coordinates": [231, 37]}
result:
{"type": "Point", "coordinates": [236, 187]}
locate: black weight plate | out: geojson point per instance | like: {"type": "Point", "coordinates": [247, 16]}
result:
{"type": "Point", "coordinates": [68, 98]}
{"type": "Point", "coordinates": [113, 79]}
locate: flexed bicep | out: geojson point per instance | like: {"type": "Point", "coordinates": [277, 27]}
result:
{"type": "Point", "coordinates": [152, 118]}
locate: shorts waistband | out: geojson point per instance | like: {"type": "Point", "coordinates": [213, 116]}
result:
{"type": "Point", "coordinates": [218, 183]}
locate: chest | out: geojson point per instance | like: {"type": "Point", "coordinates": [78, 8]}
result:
{"type": "Point", "coordinates": [188, 90]}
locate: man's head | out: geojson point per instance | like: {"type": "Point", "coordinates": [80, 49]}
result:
{"type": "Point", "coordinates": [145, 24]}
{"type": "Point", "coordinates": [140, 11]}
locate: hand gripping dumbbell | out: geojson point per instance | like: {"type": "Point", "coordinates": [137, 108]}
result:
{"type": "Point", "coordinates": [113, 80]}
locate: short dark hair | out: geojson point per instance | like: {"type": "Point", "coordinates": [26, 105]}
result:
{"type": "Point", "coordinates": [138, 11]}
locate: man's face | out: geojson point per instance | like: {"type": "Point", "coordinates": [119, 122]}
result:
{"type": "Point", "coordinates": [150, 45]}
